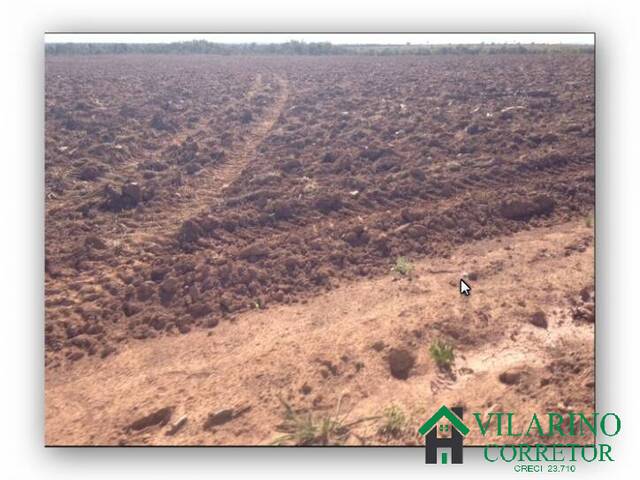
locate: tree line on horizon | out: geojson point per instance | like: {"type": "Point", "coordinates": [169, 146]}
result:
{"type": "Point", "coordinates": [302, 48]}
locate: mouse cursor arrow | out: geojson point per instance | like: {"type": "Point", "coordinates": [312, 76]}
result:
{"type": "Point", "coordinates": [464, 288]}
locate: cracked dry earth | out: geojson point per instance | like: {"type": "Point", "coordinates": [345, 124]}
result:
{"type": "Point", "coordinates": [223, 239]}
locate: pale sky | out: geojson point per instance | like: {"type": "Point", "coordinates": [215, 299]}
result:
{"type": "Point", "coordinates": [335, 38]}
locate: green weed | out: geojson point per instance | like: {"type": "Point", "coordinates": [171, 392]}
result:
{"type": "Point", "coordinates": [442, 354]}
{"type": "Point", "coordinates": [402, 266]}
{"type": "Point", "coordinates": [303, 428]}
{"type": "Point", "coordinates": [394, 422]}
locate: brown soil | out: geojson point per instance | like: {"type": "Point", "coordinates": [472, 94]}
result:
{"type": "Point", "coordinates": [314, 354]}
{"type": "Point", "coordinates": [220, 232]}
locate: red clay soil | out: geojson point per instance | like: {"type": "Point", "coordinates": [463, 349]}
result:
{"type": "Point", "coordinates": [183, 190]}
{"type": "Point", "coordinates": [358, 357]}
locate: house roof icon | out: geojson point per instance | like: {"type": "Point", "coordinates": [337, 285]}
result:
{"type": "Point", "coordinates": [449, 415]}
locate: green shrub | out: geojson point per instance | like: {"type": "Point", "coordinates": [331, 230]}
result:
{"type": "Point", "coordinates": [302, 428]}
{"type": "Point", "coordinates": [403, 266]}
{"type": "Point", "coordinates": [394, 422]}
{"type": "Point", "coordinates": [588, 221]}
{"type": "Point", "coordinates": [442, 354]}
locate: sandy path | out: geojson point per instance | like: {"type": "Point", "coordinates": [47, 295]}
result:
{"type": "Point", "coordinates": [319, 352]}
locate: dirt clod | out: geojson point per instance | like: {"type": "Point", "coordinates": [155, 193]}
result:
{"type": "Point", "coordinates": [539, 319]}
{"type": "Point", "coordinates": [158, 418]}
{"type": "Point", "coordinates": [524, 209]}
{"type": "Point", "coordinates": [189, 232]}
{"type": "Point", "coordinates": [510, 377]}
{"type": "Point", "coordinates": [93, 241]}
{"type": "Point", "coordinates": [401, 362]}
{"type": "Point", "coordinates": [221, 417]}
{"type": "Point", "coordinates": [177, 425]}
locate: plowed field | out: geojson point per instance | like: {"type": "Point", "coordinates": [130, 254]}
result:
{"type": "Point", "coordinates": [229, 237]}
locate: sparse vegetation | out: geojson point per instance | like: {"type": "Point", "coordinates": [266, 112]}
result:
{"type": "Point", "coordinates": [403, 266]}
{"type": "Point", "coordinates": [303, 428]}
{"type": "Point", "coordinates": [442, 354]}
{"type": "Point", "coordinates": [588, 221]}
{"type": "Point", "coordinates": [394, 422]}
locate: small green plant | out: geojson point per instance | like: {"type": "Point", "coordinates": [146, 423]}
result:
{"type": "Point", "coordinates": [394, 422]}
{"type": "Point", "coordinates": [302, 428]}
{"type": "Point", "coordinates": [589, 221]}
{"type": "Point", "coordinates": [442, 354]}
{"type": "Point", "coordinates": [402, 266]}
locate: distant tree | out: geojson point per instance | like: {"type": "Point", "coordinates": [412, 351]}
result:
{"type": "Point", "coordinates": [295, 47]}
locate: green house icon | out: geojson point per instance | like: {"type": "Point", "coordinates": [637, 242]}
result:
{"type": "Point", "coordinates": [432, 442]}
{"type": "Point", "coordinates": [443, 411]}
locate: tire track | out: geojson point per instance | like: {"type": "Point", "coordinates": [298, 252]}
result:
{"type": "Point", "coordinates": [214, 180]}
{"type": "Point", "coordinates": [159, 224]}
